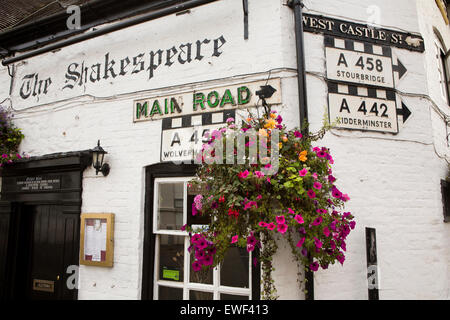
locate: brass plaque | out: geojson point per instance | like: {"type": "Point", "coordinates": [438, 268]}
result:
{"type": "Point", "coordinates": [43, 285]}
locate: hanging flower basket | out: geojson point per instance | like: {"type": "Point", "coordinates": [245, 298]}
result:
{"type": "Point", "coordinates": [290, 192]}
{"type": "Point", "coordinates": [10, 138]}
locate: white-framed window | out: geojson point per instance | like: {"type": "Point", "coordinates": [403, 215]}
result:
{"type": "Point", "coordinates": [174, 278]}
{"type": "Point", "coordinates": [442, 61]}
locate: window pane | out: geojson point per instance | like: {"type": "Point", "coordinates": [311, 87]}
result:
{"type": "Point", "coordinates": [170, 206]}
{"type": "Point", "coordinates": [199, 295]}
{"type": "Point", "coordinates": [166, 293]}
{"type": "Point", "coordinates": [225, 296]}
{"type": "Point", "coordinates": [197, 219]}
{"type": "Point", "coordinates": [234, 271]}
{"type": "Point", "coordinates": [202, 276]}
{"type": "Point", "coordinates": [171, 258]}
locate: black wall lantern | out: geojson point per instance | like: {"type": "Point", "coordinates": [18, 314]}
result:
{"type": "Point", "coordinates": [98, 155]}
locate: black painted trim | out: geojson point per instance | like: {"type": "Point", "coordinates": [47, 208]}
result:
{"type": "Point", "coordinates": [335, 31]}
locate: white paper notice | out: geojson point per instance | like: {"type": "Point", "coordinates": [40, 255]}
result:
{"type": "Point", "coordinates": [88, 240]}
{"type": "Point", "coordinates": [103, 240]}
{"type": "Point", "coordinates": [95, 240]}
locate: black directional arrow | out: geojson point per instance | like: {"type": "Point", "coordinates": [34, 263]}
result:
{"type": "Point", "coordinates": [404, 111]}
{"type": "Point", "coordinates": [400, 68]}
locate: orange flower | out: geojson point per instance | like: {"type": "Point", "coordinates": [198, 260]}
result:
{"type": "Point", "coordinates": [270, 124]}
{"type": "Point", "coordinates": [263, 132]}
{"type": "Point", "coordinates": [302, 156]}
{"type": "Point", "coordinates": [285, 139]}
{"type": "Point", "coordinates": [273, 115]}
{"type": "Point", "coordinates": [280, 145]}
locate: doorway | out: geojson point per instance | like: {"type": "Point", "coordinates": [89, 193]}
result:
{"type": "Point", "coordinates": [39, 222]}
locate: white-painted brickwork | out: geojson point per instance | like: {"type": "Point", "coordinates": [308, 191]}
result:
{"type": "Point", "coordinates": [393, 180]}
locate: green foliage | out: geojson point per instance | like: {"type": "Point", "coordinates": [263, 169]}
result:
{"type": "Point", "coordinates": [248, 205]}
{"type": "Point", "coordinates": [10, 138]}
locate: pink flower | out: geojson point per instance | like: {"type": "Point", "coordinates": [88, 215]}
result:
{"type": "Point", "coordinates": [198, 201]}
{"type": "Point", "coordinates": [332, 245]}
{"type": "Point", "coordinates": [231, 119]}
{"type": "Point", "coordinates": [317, 185]}
{"type": "Point", "coordinates": [336, 193]}
{"type": "Point", "coordinates": [195, 238]}
{"type": "Point", "coordinates": [341, 258]}
{"type": "Point", "coordinates": [271, 226]}
{"type": "Point", "coordinates": [321, 154]}
{"type": "Point", "coordinates": [194, 210]}
{"type": "Point", "coordinates": [314, 266]}
{"type": "Point", "coordinates": [196, 266]}
{"type": "Point", "coordinates": [291, 211]}
{"type": "Point", "coordinates": [259, 174]}
{"type": "Point", "coordinates": [318, 243]}
{"type": "Point", "coordinates": [259, 197]}
{"type": "Point", "coordinates": [234, 239]}
{"type": "Point", "coordinates": [303, 172]}
{"type": "Point", "coordinates": [299, 219]}
{"type": "Point", "coordinates": [311, 194]}
{"type": "Point", "coordinates": [280, 219]}
{"type": "Point", "coordinates": [201, 244]}
{"type": "Point", "coordinates": [262, 224]}
{"type": "Point", "coordinates": [315, 175]}
{"type": "Point", "coordinates": [321, 211]}
{"type": "Point", "coordinates": [352, 224]}
{"type": "Point", "coordinates": [345, 197]}
{"type": "Point", "coordinates": [326, 231]}
{"type": "Point", "coordinates": [279, 119]}
{"type": "Point", "coordinates": [317, 221]}
{"type": "Point", "coordinates": [208, 260]}
{"type": "Point", "coordinates": [300, 243]}
{"type": "Point", "coordinates": [316, 149]}
{"type": "Point", "coordinates": [282, 228]}
{"type": "Point", "coordinates": [216, 134]}
{"type": "Point", "coordinates": [243, 174]}
{"type": "Point", "coordinates": [297, 134]}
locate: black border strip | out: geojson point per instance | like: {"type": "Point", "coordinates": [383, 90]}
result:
{"type": "Point", "coordinates": [333, 27]}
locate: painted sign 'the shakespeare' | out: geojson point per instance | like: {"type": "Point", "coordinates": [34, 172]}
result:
{"type": "Point", "coordinates": [109, 67]}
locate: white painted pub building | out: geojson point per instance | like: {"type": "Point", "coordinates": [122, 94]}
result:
{"type": "Point", "coordinates": [135, 82]}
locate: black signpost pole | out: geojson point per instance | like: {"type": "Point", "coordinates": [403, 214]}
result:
{"type": "Point", "coordinates": [297, 6]}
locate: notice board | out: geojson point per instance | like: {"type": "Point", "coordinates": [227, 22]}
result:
{"type": "Point", "coordinates": [96, 239]}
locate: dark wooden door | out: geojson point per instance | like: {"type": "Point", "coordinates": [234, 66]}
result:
{"type": "Point", "coordinates": [54, 247]}
{"type": "Point", "coordinates": [5, 217]}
